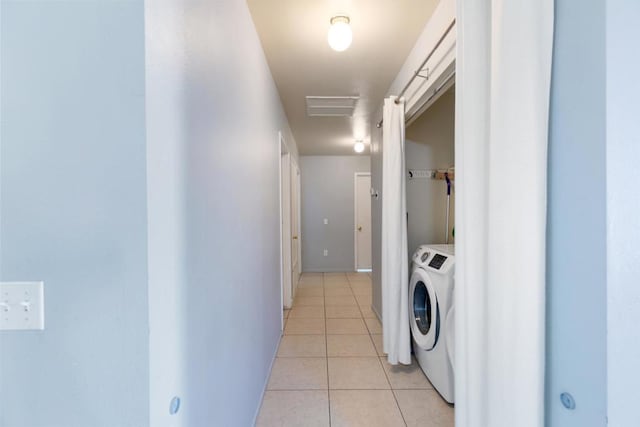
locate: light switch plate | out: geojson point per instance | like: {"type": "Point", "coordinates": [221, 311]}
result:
{"type": "Point", "coordinates": [326, 221]}
{"type": "Point", "coordinates": [21, 306]}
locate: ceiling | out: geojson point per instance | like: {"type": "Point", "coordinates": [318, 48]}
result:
{"type": "Point", "coordinates": [294, 38]}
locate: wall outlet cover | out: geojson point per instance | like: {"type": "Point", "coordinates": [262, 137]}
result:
{"type": "Point", "coordinates": [21, 306]}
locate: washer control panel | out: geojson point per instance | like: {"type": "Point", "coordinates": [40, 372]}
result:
{"type": "Point", "coordinates": [437, 258]}
{"type": "Point", "coordinates": [437, 261]}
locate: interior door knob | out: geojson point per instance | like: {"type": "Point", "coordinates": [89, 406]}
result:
{"type": "Point", "coordinates": [295, 237]}
{"type": "Point", "coordinates": [359, 228]}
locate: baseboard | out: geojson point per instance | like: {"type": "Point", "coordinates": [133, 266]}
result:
{"type": "Point", "coordinates": [376, 313]}
{"type": "Point", "coordinates": [328, 270]}
{"type": "Point", "coordinates": [266, 383]}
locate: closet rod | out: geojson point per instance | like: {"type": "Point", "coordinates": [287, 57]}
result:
{"type": "Point", "coordinates": [435, 92]}
{"type": "Point", "coordinates": [421, 67]}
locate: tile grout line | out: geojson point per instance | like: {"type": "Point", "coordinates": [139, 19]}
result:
{"type": "Point", "coordinates": [326, 335]}
{"type": "Point", "coordinates": [382, 366]}
{"type": "Point", "coordinates": [357, 389]}
{"type": "Point", "coordinates": [375, 350]}
{"type": "Point", "coordinates": [326, 349]}
{"type": "Point", "coordinates": [395, 398]}
{"type": "Point", "coordinates": [359, 308]}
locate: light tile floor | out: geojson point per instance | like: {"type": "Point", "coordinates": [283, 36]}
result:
{"type": "Point", "coordinates": [330, 369]}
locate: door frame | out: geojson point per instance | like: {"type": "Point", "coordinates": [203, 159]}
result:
{"type": "Point", "coordinates": [294, 172]}
{"type": "Point", "coordinates": [355, 220]}
{"type": "Point", "coordinates": [285, 224]}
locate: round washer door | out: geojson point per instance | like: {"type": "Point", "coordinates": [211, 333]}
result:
{"type": "Point", "coordinates": [424, 313]}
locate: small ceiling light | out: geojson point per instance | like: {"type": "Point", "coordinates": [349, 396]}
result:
{"type": "Point", "coordinates": [340, 33]}
{"type": "Point", "coordinates": [358, 147]}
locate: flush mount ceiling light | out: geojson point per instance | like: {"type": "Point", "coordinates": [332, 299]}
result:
{"type": "Point", "coordinates": [340, 33]}
{"type": "Point", "coordinates": [358, 147]}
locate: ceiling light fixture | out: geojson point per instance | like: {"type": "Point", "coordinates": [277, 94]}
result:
{"type": "Point", "coordinates": [340, 35]}
{"type": "Point", "coordinates": [358, 147]}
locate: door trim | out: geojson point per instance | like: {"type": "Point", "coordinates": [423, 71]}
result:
{"type": "Point", "coordinates": [285, 224]}
{"type": "Point", "coordinates": [355, 219]}
{"type": "Point", "coordinates": [280, 148]}
{"type": "Point", "coordinates": [295, 173]}
{"type": "Point", "coordinates": [299, 221]}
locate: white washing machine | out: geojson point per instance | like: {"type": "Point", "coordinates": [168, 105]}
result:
{"type": "Point", "coordinates": [431, 314]}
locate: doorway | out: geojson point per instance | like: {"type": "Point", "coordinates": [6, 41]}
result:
{"type": "Point", "coordinates": [295, 226]}
{"type": "Point", "coordinates": [289, 223]}
{"type": "Point", "coordinates": [362, 221]}
{"type": "Point", "coordinates": [285, 223]}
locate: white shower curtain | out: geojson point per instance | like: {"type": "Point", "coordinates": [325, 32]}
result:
{"type": "Point", "coordinates": [395, 259]}
{"type": "Point", "coordinates": [503, 66]}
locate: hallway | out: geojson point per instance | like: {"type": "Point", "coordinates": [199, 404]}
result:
{"type": "Point", "coordinates": [330, 369]}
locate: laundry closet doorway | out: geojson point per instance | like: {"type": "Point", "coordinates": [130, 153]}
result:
{"type": "Point", "coordinates": [501, 97]}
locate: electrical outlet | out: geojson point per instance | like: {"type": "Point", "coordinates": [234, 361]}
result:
{"type": "Point", "coordinates": [21, 306]}
{"type": "Point", "coordinates": [326, 252]}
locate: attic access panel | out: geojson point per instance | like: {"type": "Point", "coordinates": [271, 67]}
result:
{"type": "Point", "coordinates": [331, 106]}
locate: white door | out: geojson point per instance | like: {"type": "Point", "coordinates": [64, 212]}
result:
{"type": "Point", "coordinates": [285, 216]}
{"type": "Point", "coordinates": [295, 226]}
{"type": "Point", "coordinates": [362, 221]}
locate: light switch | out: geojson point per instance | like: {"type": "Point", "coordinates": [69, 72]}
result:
{"type": "Point", "coordinates": [326, 221]}
{"type": "Point", "coordinates": [21, 306]}
{"type": "Point", "coordinates": [325, 252]}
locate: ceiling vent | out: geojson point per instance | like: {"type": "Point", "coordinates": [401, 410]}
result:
{"type": "Point", "coordinates": [331, 106]}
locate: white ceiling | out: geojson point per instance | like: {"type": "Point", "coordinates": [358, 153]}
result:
{"type": "Point", "coordinates": [294, 37]}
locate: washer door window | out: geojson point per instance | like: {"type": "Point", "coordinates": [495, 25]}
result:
{"type": "Point", "coordinates": [425, 313]}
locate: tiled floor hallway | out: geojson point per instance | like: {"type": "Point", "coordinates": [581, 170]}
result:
{"type": "Point", "coordinates": [329, 370]}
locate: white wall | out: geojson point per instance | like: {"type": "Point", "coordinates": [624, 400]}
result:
{"type": "Point", "coordinates": [123, 335]}
{"type": "Point", "coordinates": [73, 212]}
{"type": "Point", "coordinates": [214, 266]}
{"type": "Point", "coordinates": [576, 233]}
{"type": "Point", "coordinates": [328, 192]}
{"type": "Point", "coordinates": [430, 145]}
{"type": "Point", "coordinates": [623, 206]}
{"type": "Point", "coordinates": [167, 124]}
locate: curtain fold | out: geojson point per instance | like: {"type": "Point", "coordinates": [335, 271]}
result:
{"type": "Point", "coordinates": [503, 74]}
{"type": "Point", "coordinates": [395, 258]}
